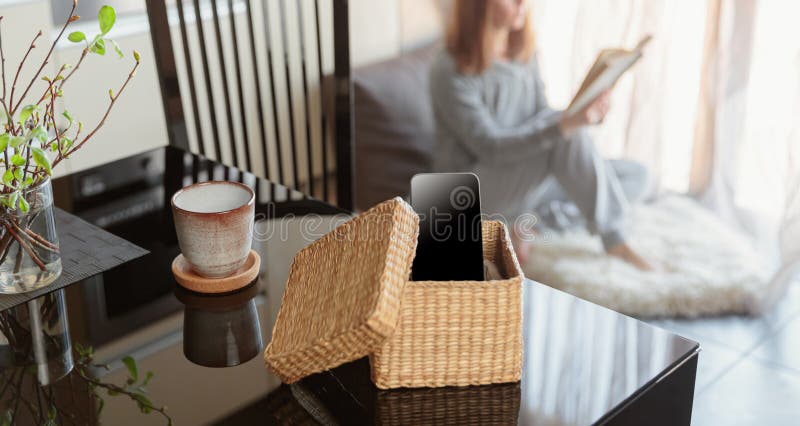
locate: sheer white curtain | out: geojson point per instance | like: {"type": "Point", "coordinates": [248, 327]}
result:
{"type": "Point", "coordinates": [713, 108]}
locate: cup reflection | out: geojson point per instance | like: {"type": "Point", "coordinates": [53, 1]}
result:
{"type": "Point", "coordinates": [221, 330]}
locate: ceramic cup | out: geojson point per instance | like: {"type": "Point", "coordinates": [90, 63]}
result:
{"type": "Point", "coordinates": [214, 223]}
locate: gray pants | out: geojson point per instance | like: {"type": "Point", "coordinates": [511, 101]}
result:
{"type": "Point", "coordinates": [570, 173]}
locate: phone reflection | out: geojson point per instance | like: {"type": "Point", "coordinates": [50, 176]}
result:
{"type": "Point", "coordinates": [221, 330]}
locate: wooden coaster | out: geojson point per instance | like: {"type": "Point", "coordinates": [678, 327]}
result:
{"type": "Point", "coordinates": [187, 278]}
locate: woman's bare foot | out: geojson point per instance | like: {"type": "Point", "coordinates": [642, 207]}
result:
{"type": "Point", "coordinates": [626, 253]}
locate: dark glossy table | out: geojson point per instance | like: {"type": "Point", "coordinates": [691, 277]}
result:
{"type": "Point", "coordinates": [583, 365]}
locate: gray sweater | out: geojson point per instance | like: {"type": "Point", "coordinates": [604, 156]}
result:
{"type": "Point", "coordinates": [494, 118]}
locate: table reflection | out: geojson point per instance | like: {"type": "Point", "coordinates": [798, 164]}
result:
{"type": "Point", "coordinates": [221, 330]}
{"type": "Point", "coordinates": [581, 360]}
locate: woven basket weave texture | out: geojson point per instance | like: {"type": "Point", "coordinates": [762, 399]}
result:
{"type": "Point", "coordinates": [343, 294]}
{"type": "Point", "coordinates": [458, 333]}
{"type": "Point", "coordinates": [348, 296]}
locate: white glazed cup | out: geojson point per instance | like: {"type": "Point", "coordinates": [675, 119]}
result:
{"type": "Point", "coordinates": [214, 223]}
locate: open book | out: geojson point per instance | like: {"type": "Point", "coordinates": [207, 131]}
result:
{"type": "Point", "coordinates": [607, 69]}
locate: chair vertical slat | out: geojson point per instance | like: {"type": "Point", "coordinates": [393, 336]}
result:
{"type": "Point", "coordinates": [273, 99]}
{"type": "Point", "coordinates": [257, 77]}
{"type": "Point", "coordinates": [323, 114]}
{"type": "Point", "coordinates": [292, 132]}
{"type": "Point", "coordinates": [230, 87]}
{"type": "Point", "coordinates": [167, 77]}
{"type": "Point", "coordinates": [225, 86]}
{"type": "Point", "coordinates": [187, 57]}
{"type": "Point", "coordinates": [238, 68]}
{"type": "Point", "coordinates": [306, 101]}
{"type": "Point", "coordinates": [344, 105]}
{"type": "Point", "coordinates": [195, 169]}
{"type": "Point", "coordinates": [207, 77]}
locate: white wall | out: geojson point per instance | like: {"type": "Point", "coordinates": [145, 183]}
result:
{"type": "Point", "coordinates": [137, 121]}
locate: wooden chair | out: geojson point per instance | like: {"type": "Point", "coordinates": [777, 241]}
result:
{"type": "Point", "coordinates": [263, 86]}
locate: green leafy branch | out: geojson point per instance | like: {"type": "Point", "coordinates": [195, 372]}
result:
{"type": "Point", "coordinates": [47, 408]}
{"type": "Point", "coordinates": [134, 388]}
{"type": "Point", "coordinates": [30, 140]}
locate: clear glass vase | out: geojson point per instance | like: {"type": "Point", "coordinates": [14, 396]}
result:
{"type": "Point", "coordinates": [29, 253]}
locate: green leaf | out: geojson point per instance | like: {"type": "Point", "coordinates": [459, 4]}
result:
{"type": "Point", "coordinates": [41, 160]}
{"type": "Point", "coordinates": [66, 143]}
{"type": "Point", "coordinates": [54, 146]}
{"type": "Point", "coordinates": [76, 37]}
{"type": "Point", "coordinates": [23, 205]}
{"type": "Point", "coordinates": [4, 138]}
{"type": "Point", "coordinates": [40, 134]}
{"type": "Point", "coordinates": [5, 200]}
{"type": "Point", "coordinates": [17, 160]}
{"type": "Point", "coordinates": [130, 363]}
{"type": "Point", "coordinates": [26, 113]}
{"type": "Point", "coordinates": [8, 177]}
{"type": "Point", "coordinates": [16, 141]}
{"type": "Point", "coordinates": [11, 201]}
{"type": "Point", "coordinates": [7, 418]}
{"type": "Point", "coordinates": [147, 378]}
{"type": "Point", "coordinates": [99, 47]}
{"type": "Point", "coordinates": [18, 172]}
{"type": "Point", "coordinates": [136, 55]}
{"type": "Point", "coordinates": [116, 47]}
{"type": "Point", "coordinates": [106, 16]}
{"type": "Point", "coordinates": [68, 116]}
{"type": "Point", "coordinates": [144, 403]}
{"type": "Point", "coordinates": [28, 182]}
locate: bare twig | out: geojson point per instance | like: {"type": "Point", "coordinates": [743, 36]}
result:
{"type": "Point", "coordinates": [75, 68]}
{"type": "Point", "coordinates": [51, 84]}
{"type": "Point", "coordinates": [3, 62]}
{"type": "Point", "coordinates": [19, 69]}
{"type": "Point", "coordinates": [71, 18]}
{"type": "Point", "coordinates": [41, 241]}
{"type": "Point", "coordinates": [114, 98]}
{"type": "Point", "coordinates": [27, 248]}
{"type": "Point", "coordinates": [5, 245]}
{"type": "Point", "coordinates": [35, 238]}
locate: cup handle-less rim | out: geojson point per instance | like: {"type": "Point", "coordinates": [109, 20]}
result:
{"type": "Point", "coordinates": [250, 202]}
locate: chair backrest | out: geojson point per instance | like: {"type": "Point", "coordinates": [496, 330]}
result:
{"type": "Point", "coordinates": [263, 86]}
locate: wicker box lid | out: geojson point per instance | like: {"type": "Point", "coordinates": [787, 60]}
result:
{"type": "Point", "coordinates": [342, 298]}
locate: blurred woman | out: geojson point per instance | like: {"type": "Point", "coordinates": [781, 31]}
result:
{"type": "Point", "coordinates": [493, 119]}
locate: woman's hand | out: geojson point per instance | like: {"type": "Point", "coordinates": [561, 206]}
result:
{"type": "Point", "coordinates": [593, 113]}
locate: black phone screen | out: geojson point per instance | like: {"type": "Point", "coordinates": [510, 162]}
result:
{"type": "Point", "coordinates": [450, 246]}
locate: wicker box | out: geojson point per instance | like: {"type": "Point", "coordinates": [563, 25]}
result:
{"type": "Point", "coordinates": [349, 296]}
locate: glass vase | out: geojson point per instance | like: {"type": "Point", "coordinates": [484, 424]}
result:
{"type": "Point", "coordinates": [29, 253]}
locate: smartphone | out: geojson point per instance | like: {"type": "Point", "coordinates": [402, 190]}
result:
{"type": "Point", "coordinates": [450, 244]}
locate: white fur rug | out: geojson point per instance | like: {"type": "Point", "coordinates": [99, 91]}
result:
{"type": "Point", "coordinates": [705, 267]}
